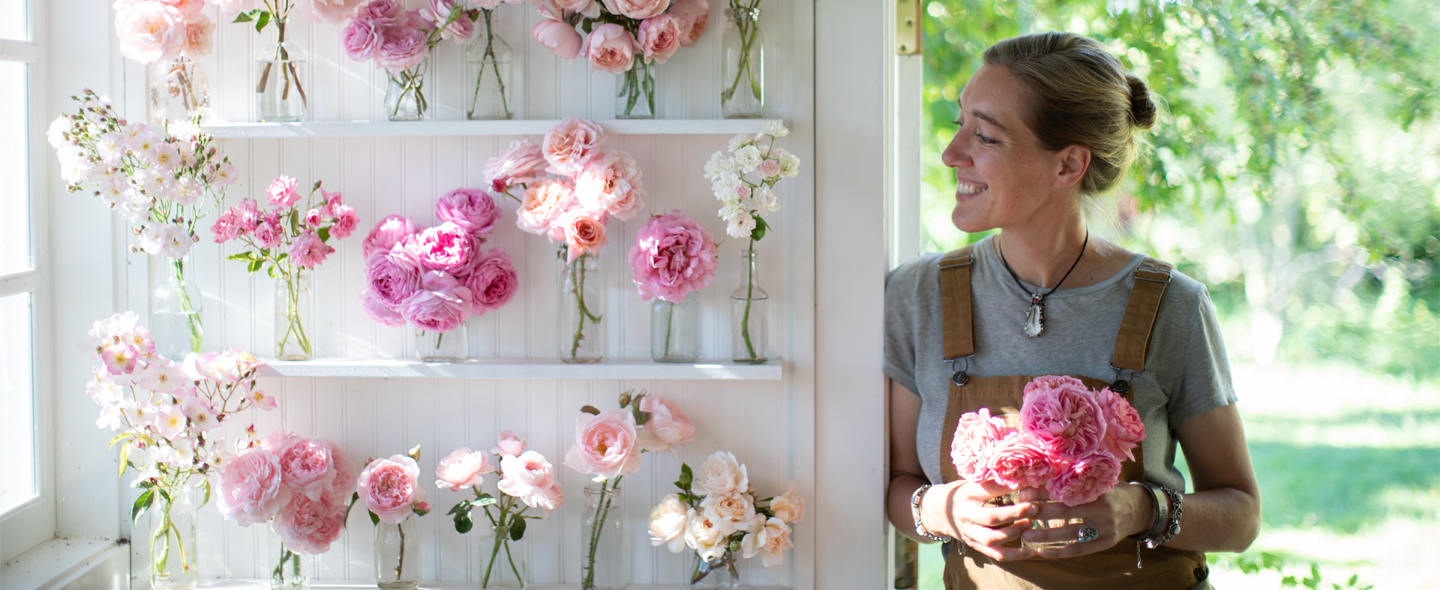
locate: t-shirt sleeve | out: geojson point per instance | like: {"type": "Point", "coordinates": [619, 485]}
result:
{"type": "Point", "coordinates": [1205, 382]}
{"type": "Point", "coordinates": [900, 310]}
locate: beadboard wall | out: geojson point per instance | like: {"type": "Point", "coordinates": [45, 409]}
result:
{"type": "Point", "coordinates": [768, 424]}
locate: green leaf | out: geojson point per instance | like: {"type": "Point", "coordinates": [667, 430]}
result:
{"type": "Point", "coordinates": [262, 21]}
{"type": "Point", "coordinates": [463, 521]}
{"type": "Point", "coordinates": [207, 493]}
{"type": "Point", "coordinates": [482, 502]}
{"type": "Point", "coordinates": [374, 518]}
{"type": "Point", "coordinates": [641, 417]}
{"type": "Point", "coordinates": [120, 437]}
{"type": "Point", "coordinates": [141, 504]}
{"type": "Point", "coordinates": [324, 234]}
{"type": "Point", "coordinates": [246, 255]}
{"type": "Point", "coordinates": [272, 271]}
{"type": "Point", "coordinates": [687, 477]}
{"type": "Point", "coordinates": [760, 228]}
{"type": "Point", "coordinates": [517, 529]}
{"type": "Point", "coordinates": [1288, 582]}
{"type": "Point", "coordinates": [255, 265]}
{"type": "Point", "coordinates": [124, 459]}
{"type": "Point", "coordinates": [589, 409]}
{"type": "Point", "coordinates": [243, 17]}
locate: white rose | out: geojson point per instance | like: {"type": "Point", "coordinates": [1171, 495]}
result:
{"type": "Point", "coordinates": [789, 506]}
{"type": "Point", "coordinates": [748, 158]}
{"type": "Point", "coordinates": [721, 474]}
{"type": "Point", "coordinates": [719, 162]}
{"type": "Point", "coordinates": [768, 202]}
{"type": "Point", "coordinates": [789, 165]}
{"type": "Point", "coordinates": [774, 129]}
{"type": "Point", "coordinates": [175, 241]}
{"type": "Point", "coordinates": [770, 542]}
{"type": "Point", "coordinates": [668, 523]}
{"type": "Point", "coordinates": [58, 128]}
{"type": "Point", "coordinates": [741, 226]}
{"type": "Point", "coordinates": [701, 535]}
{"type": "Point", "coordinates": [728, 511]}
{"type": "Point", "coordinates": [187, 191]}
{"type": "Point", "coordinates": [740, 141]}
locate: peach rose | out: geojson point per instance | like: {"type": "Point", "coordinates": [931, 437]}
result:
{"type": "Point", "coordinates": [660, 37]}
{"type": "Point", "coordinates": [610, 181]}
{"type": "Point", "coordinates": [558, 37]}
{"type": "Point", "coordinates": [545, 201]}
{"type": "Point", "coordinates": [667, 428]}
{"type": "Point", "coordinates": [789, 506]}
{"type": "Point", "coordinates": [461, 469]}
{"type": "Point", "coordinates": [610, 49]}
{"type": "Point", "coordinates": [605, 445]}
{"type": "Point", "coordinates": [196, 36]}
{"type": "Point", "coordinates": [571, 143]}
{"type": "Point", "coordinates": [149, 31]}
{"type": "Point", "coordinates": [694, 16]}
{"type": "Point", "coordinates": [728, 511]}
{"type": "Point", "coordinates": [637, 9]}
{"type": "Point", "coordinates": [584, 232]}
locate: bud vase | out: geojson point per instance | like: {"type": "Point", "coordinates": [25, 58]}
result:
{"type": "Point", "coordinates": [175, 310]}
{"type": "Point", "coordinates": [748, 318]}
{"type": "Point", "coordinates": [604, 565]}
{"type": "Point", "coordinates": [279, 84]}
{"type": "Point", "coordinates": [504, 566]}
{"type": "Point", "coordinates": [287, 568]}
{"type": "Point", "coordinates": [635, 91]}
{"type": "Point", "coordinates": [742, 50]}
{"type": "Point", "coordinates": [397, 556]}
{"type": "Point", "coordinates": [292, 312]}
{"type": "Point", "coordinates": [405, 94]}
{"type": "Point", "coordinates": [488, 62]}
{"type": "Point", "coordinates": [716, 574]}
{"type": "Point", "coordinates": [582, 305]}
{"type": "Point", "coordinates": [675, 330]}
{"type": "Point", "coordinates": [172, 539]}
{"type": "Point", "coordinates": [178, 91]}
{"type": "Point", "coordinates": [450, 346]}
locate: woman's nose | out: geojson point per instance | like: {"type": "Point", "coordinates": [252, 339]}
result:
{"type": "Point", "coordinates": [956, 154]}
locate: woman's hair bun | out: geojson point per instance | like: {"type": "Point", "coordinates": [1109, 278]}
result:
{"type": "Point", "coordinates": [1142, 109]}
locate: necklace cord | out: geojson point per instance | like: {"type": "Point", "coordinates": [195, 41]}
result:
{"type": "Point", "coordinates": [1042, 296]}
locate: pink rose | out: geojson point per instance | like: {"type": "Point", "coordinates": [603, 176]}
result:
{"type": "Point", "coordinates": [976, 434]}
{"type": "Point", "coordinates": [391, 488]}
{"type": "Point", "coordinates": [461, 469]}
{"type": "Point", "coordinates": [572, 142]}
{"type": "Point", "coordinates": [667, 428]}
{"type": "Point", "coordinates": [393, 276]}
{"type": "Point", "coordinates": [308, 251]}
{"type": "Point", "coordinates": [306, 464]}
{"type": "Point", "coordinates": [1087, 478]}
{"type": "Point", "coordinates": [584, 232]}
{"type": "Point", "coordinates": [672, 256]}
{"type": "Point", "coordinates": [509, 444]}
{"type": "Point", "coordinates": [545, 201]}
{"type": "Point", "coordinates": [590, 8]}
{"type": "Point", "coordinates": [346, 220]}
{"type": "Point", "coordinates": [529, 477]}
{"type": "Point", "coordinates": [660, 37]}
{"type": "Point", "coordinates": [1123, 427]}
{"type": "Point", "coordinates": [610, 49]}
{"type": "Point", "coordinates": [440, 305]}
{"type": "Point", "coordinates": [403, 47]}
{"type": "Point", "coordinates": [1062, 415]}
{"type": "Point", "coordinates": [268, 234]}
{"type": "Point", "coordinates": [694, 16]}
{"type": "Point", "coordinates": [436, 12]}
{"type": "Point", "coordinates": [609, 180]}
{"type": "Point", "coordinates": [251, 487]}
{"type": "Point", "coordinates": [330, 12]}
{"type": "Point", "coordinates": [387, 315]}
{"type": "Point", "coordinates": [1019, 462]}
{"type": "Point", "coordinates": [386, 234]}
{"type": "Point", "coordinates": [637, 9]}
{"type": "Point", "coordinates": [344, 483]}
{"type": "Point", "coordinates": [186, 7]}
{"type": "Point", "coordinates": [473, 209]}
{"type": "Point", "coordinates": [769, 169]}
{"type": "Point", "coordinates": [605, 445]}
{"type": "Point", "coordinates": [492, 282]}
{"type": "Point", "coordinates": [283, 192]}
{"type": "Point", "coordinates": [149, 31]}
{"type": "Point", "coordinates": [313, 218]}
{"type": "Point", "coordinates": [309, 526]}
{"type": "Point", "coordinates": [558, 37]}
{"type": "Point", "coordinates": [447, 248]}
{"type": "Point", "coordinates": [362, 38]}
{"type": "Point", "coordinates": [520, 164]}
{"type": "Point", "coordinates": [197, 35]}
{"type": "Point", "coordinates": [385, 12]}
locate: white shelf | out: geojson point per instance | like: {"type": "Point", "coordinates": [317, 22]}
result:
{"type": "Point", "coordinates": [524, 369]}
{"type": "Point", "coordinates": [229, 584]}
{"type": "Point", "coordinates": [513, 127]}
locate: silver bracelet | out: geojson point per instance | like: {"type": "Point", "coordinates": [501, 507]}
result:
{"type": "Point", "coordinates": [920, 529]}
{"type": "Point", "coordinates": [1172, 526]}
{"type": "Point", "coordinates": [1158, 500]}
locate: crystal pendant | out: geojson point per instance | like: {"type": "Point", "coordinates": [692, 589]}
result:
{"type": "Point", "coordinates": [1033, 327]}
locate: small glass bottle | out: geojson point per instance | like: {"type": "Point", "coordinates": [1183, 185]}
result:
{"type": "Point", "coordinates": [175, 306]}
{"type": "Point", "coordinates": [716, 574]}
{"type": "Point", "coordinates": [675, 330]}
{"type": "Point", "coordinates": [749, 325]}
{"type": "Point", "coordinates": [397, 556]}
{"type": "Point", "coordinates": [179, 91]}
{"type": "Point", "coordinates": [504, 563]}
{"type": "Point", "coordinates": [451, 346]}
{"type": "Point", "coordinates": [635, 92]}
{"type": "Point", "coordinates": [287, 568]}
{"type": "Point", "coordinates": [279, 80]}
{"type": "Point", "coordinates": [488, 63]}
{"type": "Point", "coordinates": [405, 94]}
{"type": "Point", "coordinates": [293, 311]}
{"type": "Point", "coordinates": [603, 563]}
{"type": "Point", "coordinates": [742, 50]}
{"type": "Point", "coordinates": [582, 307]}
{"type": "Point", "coordinates": [172, 540]}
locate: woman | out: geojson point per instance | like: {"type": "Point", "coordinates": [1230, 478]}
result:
{"type": "Point", "coordinates": [1046, 125]}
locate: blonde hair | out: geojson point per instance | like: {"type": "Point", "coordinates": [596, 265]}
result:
{"type": "Point", "coordinates": [1079, 94]}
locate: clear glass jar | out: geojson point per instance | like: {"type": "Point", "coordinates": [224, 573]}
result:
{"type": "Point", "coordinates": [603, 562]}
{"type": "Point", "coordinates": [172, 540]}
{"type": "Point", "coordinates": [175, 305]}
{"type": "Point", "coordinates": [488, 62]}
{"type": "Point", "coordinates": [582, 306]}
{"type": "Point", "coordinates": [505, 566]}
{"type": "Point", "coordinates": [749, 325]}
{"type": "Point", "coordinates": [287, 568]}
{"type": "Point", "coordinates": [397, 556]}
{"type": "Point", "coordinates": [742, 65]}
{"type": "Point", "coordinates": [179, 91]}
{"type": "Point", "coordinates": [635, 91]}
{"type": "Point", "coordinates": [442, 347]}
{"type": "Point", "coordinates": [279, 81]}
{"type": "Point", "coordinates": [716, 574]}
{"type": "Point", "coordinates": [405, 94]}
{"type": "Point", "coordinates": [293, 310]}
{"type": "Point", "coordinates": [675, 330]}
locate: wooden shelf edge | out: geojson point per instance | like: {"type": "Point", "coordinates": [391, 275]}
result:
{"type": "Point", "coordinates": [524, 369]}
{"type": "Point", "coordinates": [440, 128]}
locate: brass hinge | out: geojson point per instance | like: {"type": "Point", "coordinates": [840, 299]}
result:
{"type": "Point", "coordinates": [907, 27]}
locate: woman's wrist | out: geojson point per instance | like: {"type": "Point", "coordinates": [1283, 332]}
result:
{"type": "Point", "coordinates": [1142, 510]}
{"type": "Point", "coordinates": [928, 510]}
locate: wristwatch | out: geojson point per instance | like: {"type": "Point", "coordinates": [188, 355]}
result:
{"type": "Point", "coordinates": [920, 529]}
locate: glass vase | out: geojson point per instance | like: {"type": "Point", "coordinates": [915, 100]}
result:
{"type": "Point", "coordinates": [749, 327]}
{"type": "Point", "coordinates": [292, 312]}
{"type": "Point", "coordinates": [172, 539]}
{"type": "Point", "coordinates": [175, 310]}
{"type": "Point", "coordinates": [179, 91]}
{"type": "Point", "coordinates": [488, 62]}
{"type": "Point", "coordinates": [675, 330]}
{"type": "Point", "coordinates": [442, 347]}
{"type": "Point", "coordinates": [405, 95]}
{"type": "Point", "coordinates": [635, 91]}
{"type": "Point", "coordinates": [287, 568]}
{"type": "Point", "coordinates": [397, 556]}
{"type": "Point", "coordinates": [279, 87]}
{"type": "Point", "coordinates": [582, 305]}
{"type": "Point", "coordinates": [716, 574]}
{"type": "Point", "coordinates": [604, 565]}
{"type": "Point", "coordinates": [504, 566]}
{"type": "Point", "coordinates": [742, 51]}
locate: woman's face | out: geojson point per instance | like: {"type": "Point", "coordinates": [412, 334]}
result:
{"type": "Point", "coordinates": [1003, 176]}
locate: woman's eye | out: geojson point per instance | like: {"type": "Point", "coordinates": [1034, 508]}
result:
{"type": "Point", "coordinates": [985, 140]}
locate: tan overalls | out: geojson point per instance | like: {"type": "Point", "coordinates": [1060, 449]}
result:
{"type": "Point", "coordinates": [1113, 568]}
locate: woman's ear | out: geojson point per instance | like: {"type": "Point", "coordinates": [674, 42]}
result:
{"type": "Point", "coordinates": [1074, 161]}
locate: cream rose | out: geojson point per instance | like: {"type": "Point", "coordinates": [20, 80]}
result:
{"type": "Point", "coordinates": [569, 145]}
{"type": "Point", "coordinates": [721, 474]}
{"type": "Point", "coordinates": [149, 31]}
{"type": "Point", "coordinates": [789, 506]}
{"type": "Point", "coordinates": [702, 536]}
{"type": "Point", "coordinates": [668, 522]}
{"type": "Point", "coordinates": [728, 511]}
{"type": "Point", "coordinates": [545, 201]}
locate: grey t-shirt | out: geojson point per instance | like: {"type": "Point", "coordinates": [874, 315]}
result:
{"type": "Point", "coordinates": [1186, 372]}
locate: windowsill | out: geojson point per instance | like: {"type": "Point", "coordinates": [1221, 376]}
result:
{"type": "Point", "coordinates": [55, 563]}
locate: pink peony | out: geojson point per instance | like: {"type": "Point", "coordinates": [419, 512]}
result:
{"type": "Point", "coordinates": [283, 192]}
{"type": "Point", "coordinates": [1019, 462]}
{"type": "Point", "coordinates": [529, 477]}
{"type": "Point", "coordinates": [584, 232]}
{"type": "Point", "coordinates": [976, 435]}
{"type": "Point", "coordinates": [522, 163]}
{"type": "Point", "coordinates": [509, 444]}
{"type": "Point", "coordinates": [667, 428]}
{"type": "Point", "coordinates": [308, 251]}
{"type": "Point", "coordinates": [1062, 415]}
{"type": "Point", "coordinates": [440, 305]}
{"type": "Point", "coordinates": [251, 487]}
{"type": "Point", "coordinates": [660, 37]}
{"type": "Point", "coordinates": [558, 37]}
{"type": "Point", "coordinates": [672, 256]}
{"type": "Point", "coordinates": [1087, 478]}
{"type": "Point", "coordinates": [393, 276]}
{"type": "Point", "coordinates": [571, 143]}
{"type": "Point", "coordinates": [694, 16]}
{"type": "Point", "coordinates": [309, 526]}
{"type": "Point", "coordinates": [403, 47]}
{"type": "Point", "coordinates": [390, 488]}
{"type": "Point", "coordinates": [1123, 427]}
{"type": "Point", "coordinates": [610, 49]}
{"type": "Point", "coordinates": [462, 468]}
{"type": "Point", "coordinates": [492, 282]}
{"type": "Point", "coordinates": [473, 209]}
{"type": "Point", "coordinates": [306, 464]}
{"type": "Point", "coordinates": [610, 182]}
{"type": "Point", "coordinates": [447, 248]}
{"type": "Point", "coordinates": [362, 37]}
{"type": "Point", "coordinates": [386, 234]}
{"type": "Point", "coordinates": [605, 445]}
{"type": "Point", "coordinates": [346, 220]}
{"type": "Point", "coordinates": [387, 315]}
{"type": "Point", "coordinates": [149, 31]}
{"type": "Point", "coordinates": [637, 9]}
{"type": "Point", "coordinates": [545, 201]}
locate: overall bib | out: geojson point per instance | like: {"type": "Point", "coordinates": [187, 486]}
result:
{"type": "Point", "coordinates": [1113, 568]}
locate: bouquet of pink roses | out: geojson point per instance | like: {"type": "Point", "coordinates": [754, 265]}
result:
{"type": "Point", "coordinates": [526, 477]}
{"type": "Point", "coordinates": [672, 256]}
{"type": "Point", "coordinates": [1070, 441]}
{"type": "Point", "coordinates": [400, 41]}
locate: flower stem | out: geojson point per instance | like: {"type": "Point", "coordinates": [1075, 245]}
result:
{"type": "Point", "coordinates": [197, 331]}
{"type": "Point", "coordinates": [669, 328]}
{"type": "Point", "coordinates": [489, 58]}
{"type": "Point", "coordinates": [577, 281]}
{"type": "Point", "coordinates": [749, 298]}
{"type": "Point", "coordinates": [400, 564]}
{"type": "Point", "coordinates": [602, 511]}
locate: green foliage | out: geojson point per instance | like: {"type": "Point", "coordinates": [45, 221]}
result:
{"type": "Point", "coordinates": [1252, 564]}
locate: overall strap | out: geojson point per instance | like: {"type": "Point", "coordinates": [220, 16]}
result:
{"type": "Point", "coordinates": [1133, 341]}
{"type": "Point", "coordinates": [955, 303]}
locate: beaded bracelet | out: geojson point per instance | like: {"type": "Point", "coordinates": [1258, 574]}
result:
{"type": "Point", "coordinates": [920, 529]}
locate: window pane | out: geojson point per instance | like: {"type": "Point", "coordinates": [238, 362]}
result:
{"type": "Point", "coordinates": [14, 165]}
{"type": "Point", "coordinates": [12, 20]}
{"type": "Point", "coordinates": [17, 396]}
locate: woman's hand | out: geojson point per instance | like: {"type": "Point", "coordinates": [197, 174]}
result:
{"type": "Point", "coordinates": [1119, 513]}
{"type": "Point", "coordinates": [958, 510]}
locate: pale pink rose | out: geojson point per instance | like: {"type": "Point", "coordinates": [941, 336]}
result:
{"type": "Point", "coordinates": [447, 248]}
{"type": "Point", "coordinates": [1019, 461]}
{"type": "Point", "coordinates": [673, 255]}
{"type": "Point", "coordinates": [606, 180]}
{"type": "Point", "coordinates": [251, 487]}
{"type": "Point", "coordinates": [637, 9]}
{"type": "Point", "coordinates": [268, 234]}
{"type": "Point", "coordinates": [558, 37]}
{"type": "Point", "coordinates": [473, 209]}
{"type": "Point", "coordinates": [1123, 427]}
{"type": "Point", "coordinates": [361, 38]}
{"type": "Point", "coordinates": [667, 523]}
{"type": "Point", "coordinates": [728, 511]}
{"type": "Point", "coordinates": [308, 251]}
{"type": "Point", "coordinates": [694, 16]}
{"type": "Point", "coordinates": [769, 169]}
{"type": "Point", "coordinates": [529, 477]}
{"type": "Point", "coordinates": [309, 526]}
{"type": "Point", "coordinates": [386, 12]}
{"type": "Point", "coordinates": [461, 469]}
{"type": "Point", "coordinates": [774, 540]}
{"type": "Point", "coordinates": [976, 434]}
{"type": "Point", "coordinates": [509, 444]}
{"type": "Point", "coordinates": [605, 445]}
{"type": "Point", "coordinates": [197, 35]}
{"type": "Point", "coordinates": [1086, 479]}
{"type": "Point", "coordinates": [492, 282]}
{"type": "Point", "coordinates": [346, 220]}
{"type": "Point", "coordinates": [344, 483]}
{"type": "Point", "coordinates": [789, 506]}
{"type": "Point", "coordinates": [186, 7]}
{"type": "Point", "coordinates": [570, 144]}
{"type": "Point", "coordinates": [330, 12]}
{"type": "Point", "coordinates": [306, 464]}
{"type": "Point", "coordinates": [590, 8]}
{"type": "Point", "coordinates": [391, 488]}
{"type": "Point", "coordinates": [440, 305]}
{"type": "Point", "coordinates": [436, 12]}
{"type": "Point", "coordinates": [520, 164]}
{"type": "Point", "coordinates": [386, 234]}
{"type": "Point", "coordinates": [545, 201]}
{"type": "Point", "coordinates": [667, 428]}
{"type": "Point", "coordinates": [610, 49]}
{"type": "Point", "coordinates": [584, 233]}
{"type": "Point", "coordinates": [1062, 415]}
{"type": "Point", "coordinates": [149, 31]}
{"type": "Point", "coordinates": [283, 192]}
{"type": "Point", "coordinates": [660, 37]}
{"type": "Point", "coordinates": [403, 47]}
{"type": "Point", "coordinates": [721, 474]}
{"type": "Point", "coordinates": [393, 276]}
{"type": "Point", "coordinates": [387, 315]}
